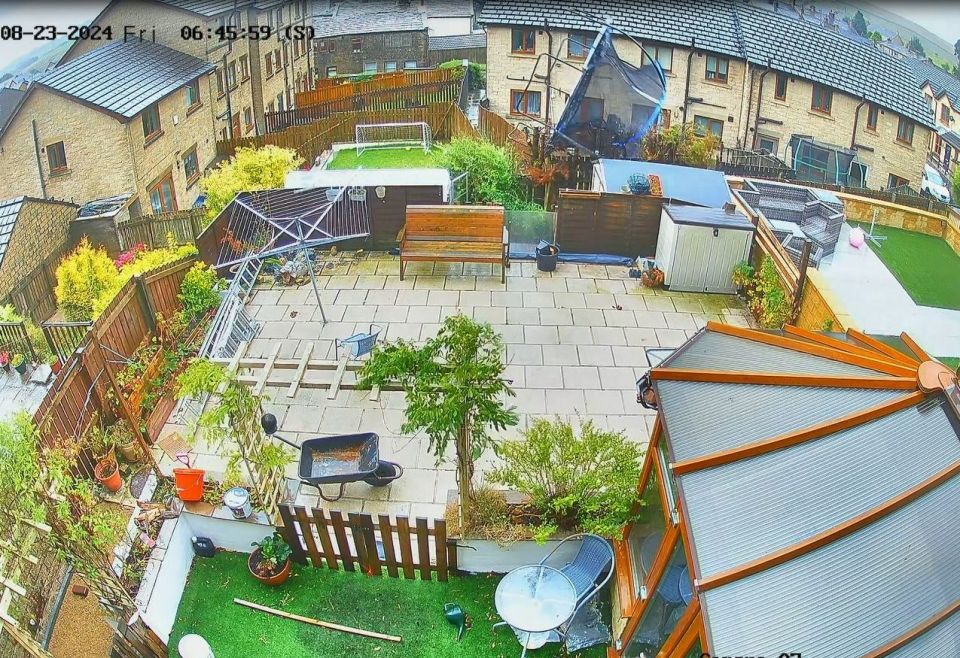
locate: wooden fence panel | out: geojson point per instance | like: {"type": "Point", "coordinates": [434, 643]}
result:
{"type": "Point", "coordinates": [34, 297]}
{"type": "Point", "coordinates": [153, 230]}
{"type": "Point", "coordinates": [79, 392]}
{"type": "Point", "coordinates": [373, 545]}
{"type": "Point", "coordinates": [608, 223]}
{"type": "Point", "coordinates": [163, 286]}
{"type": "Point", "coordinates": [387, 82]}
{"type": "Point", "coordinates": [446, 120]}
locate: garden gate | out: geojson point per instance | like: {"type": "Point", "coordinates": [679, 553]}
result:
{"type": "Point", "coordinates": [359, 541]}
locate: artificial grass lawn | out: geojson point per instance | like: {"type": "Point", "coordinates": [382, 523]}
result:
{"type": "Point", "coordinates": [394, 158]}
{"type": "Point", "coordinates": [925, 266]}
{"type": "Point", "coordinates": [412, 609]}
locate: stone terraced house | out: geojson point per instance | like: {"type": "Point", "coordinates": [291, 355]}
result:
{"type": "Point", "coordinates": [130, 117]}
{"type": "Point", "coordinates": [253, 76]}
{"type": "Point", "coordinates": [754, 77]}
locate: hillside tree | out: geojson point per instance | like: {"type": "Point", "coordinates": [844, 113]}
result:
{"type": "Point", "coordinates": [915, 46]}
{"type": "Point", "coordinates": [859, 24]}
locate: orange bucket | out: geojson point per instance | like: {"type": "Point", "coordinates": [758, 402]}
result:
{"type": "Point", "coordinates": [189, 482]}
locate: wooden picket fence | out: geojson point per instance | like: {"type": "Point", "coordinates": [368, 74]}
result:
{"type": "Point", "coordinates": [328, 92]}
{"type": "Point", "coordinates": [402, 547]}
{"type": "Point", "coordinates": [34, 296]}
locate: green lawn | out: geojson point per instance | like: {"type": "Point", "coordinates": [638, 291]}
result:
{"type": "Point", "coordinates": [925, 266]}
{"type": "Point", "coordinates": [410, 608]}
{"type": "Point", "coordinates": [413, 157]}
{"type": "Point", "coordinates": [952, 361]}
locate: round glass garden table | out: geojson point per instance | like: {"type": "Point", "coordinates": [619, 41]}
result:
{"type": "Point", "coordinates": [535, 598]}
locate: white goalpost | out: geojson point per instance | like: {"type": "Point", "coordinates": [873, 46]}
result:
{"type": "Point", "coordinates": [393, 135]}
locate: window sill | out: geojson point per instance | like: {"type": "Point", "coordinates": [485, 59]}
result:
{"type": "Point", "coordinates": [821, 114]}
{"type": "Point", "coordinates": [245, 79]}
{"type": "Point", "coordinates": [871, 131]}
{"type": "Point", "coordinates": [906, 145]}
{"type": "Point", "coordinates": [522, 53]}
{"type": "Point", "coordinates": [60, 172]}
{"type": "Point", "coordinates": [220, 96]}
{"type": "Point", "coordinates": [718, 83]}
{"type": "Point", "coordinates": [193, 108]}
{"type": "Point", "coordinates": [150, 139]}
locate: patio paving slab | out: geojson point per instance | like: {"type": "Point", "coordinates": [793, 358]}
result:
{"type": "Point", "coordinates": [570, 353]}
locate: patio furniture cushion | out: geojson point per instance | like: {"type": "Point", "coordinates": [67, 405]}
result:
{"type": "Point", "coordinates": [465, 234]}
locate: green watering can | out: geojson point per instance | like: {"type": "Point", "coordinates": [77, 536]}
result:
{"type": "Point", "coordinates": [456, 616]}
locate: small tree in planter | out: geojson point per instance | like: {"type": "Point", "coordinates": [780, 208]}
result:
{"type": "Point", "coordinates": [235, 422]}
{"type": "Point", "coordinates": [578, 482]}
{"type": "Point", "coordinates": [455, 390]}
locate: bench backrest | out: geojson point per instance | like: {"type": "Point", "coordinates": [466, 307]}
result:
{"type": "Point", "coordinates": [460, 223]}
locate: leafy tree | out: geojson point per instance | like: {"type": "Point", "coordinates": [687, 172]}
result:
{"type": "Point", "coordinates": [956, 49]}
{"type": "Point", "coordinates": [249, 169]}
{"type": "Point", "coordinates": [493, 172]}
{"type": "Point", "coordinates": [859, 24]}
{"type": "Point", "coordinates": [875, 37]}
{"type": "Point", "coordinates": [455, 390]}
{"type": "Point", "coordinates": [956, 183]}
{"type": "Point", "coordinates": [915, 46]}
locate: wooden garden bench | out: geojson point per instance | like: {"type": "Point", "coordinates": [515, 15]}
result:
{"type": "Point", "coordinates": [463, 234]}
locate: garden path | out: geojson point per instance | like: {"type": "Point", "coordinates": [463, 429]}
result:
{"type": "Point", "coordinates": [880, 305]}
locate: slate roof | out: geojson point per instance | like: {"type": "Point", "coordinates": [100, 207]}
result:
{"type": "Point", "coordinates": [353, 17]}
{"type": "Point", "coordinates": [669, 21]}
{"type": "Point", "coordinates": [123, 78]}
{"type": "Point", "coordinates": [10, 100]}
{"type": "Point", "coordinates": [925, 71]}
{"type": "Point", "coordinates": [737, 30]}
{"type": "Point", "coordinates": [458, 41]}
{"type": "Point", "coordinates": [207, 7]}
{"type": "Point", "coordinates": [9, 211]}
{"type": "Point", "coordinates": [854, 426]}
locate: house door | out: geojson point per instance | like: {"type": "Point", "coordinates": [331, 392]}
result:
{"type": "Point", "coordinates": [162, 197]}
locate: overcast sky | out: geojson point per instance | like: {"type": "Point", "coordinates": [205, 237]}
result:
{"type": "Point", "coordinates": [42, 12]}
{"type": "Point", "coordinates": [942, 18]}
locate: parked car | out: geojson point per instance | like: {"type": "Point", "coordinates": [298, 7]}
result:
{"type": "Point", "coordinates": [934, 185]}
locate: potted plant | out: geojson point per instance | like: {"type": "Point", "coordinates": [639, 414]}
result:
{"type": "Point", "coordinates": [743, 278]}
{"type": "Point", "coordinates": [270, 561]}
{"type": "Point", "coordinates": [107, 473]}
{"type": "Point", "coordinates": [19, 363]}
{"type": "Point", "coordinates": [5, 360]}
{"type": "Point", "coordinates": [103, 446]}
{"type": "Point", "coordinates": [126, 442]}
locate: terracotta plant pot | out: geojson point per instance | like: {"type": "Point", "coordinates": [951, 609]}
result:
{"type": "Point", "coordinates": [277, 579]}
{"type": "Point", "coordinates": [56, 367]}
{"type": "Point", "coordinates": [108, 474]}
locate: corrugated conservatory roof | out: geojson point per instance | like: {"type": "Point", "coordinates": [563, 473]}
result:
{"type": "Point", "coordinates": [819, 477]}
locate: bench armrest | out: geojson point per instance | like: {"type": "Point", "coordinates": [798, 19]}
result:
{"type": "Point", "coordinates": [506, 235]}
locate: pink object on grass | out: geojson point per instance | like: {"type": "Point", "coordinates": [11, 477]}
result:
{"type": "Point", "coordinates": [857, 238]}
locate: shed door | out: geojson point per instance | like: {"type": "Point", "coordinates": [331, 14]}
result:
{"type": "Point", "coordinates": [688, 272]}
{"type": "Point", "coordinates": [704, 262]}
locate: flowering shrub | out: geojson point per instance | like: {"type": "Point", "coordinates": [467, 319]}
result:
{"type": "Point", "coordinates": [88, 279]}
{"type": "Point", "coordinates": [128, 256]}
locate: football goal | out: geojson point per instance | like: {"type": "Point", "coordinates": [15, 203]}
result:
{"type": "Point", "coordinates": [393, 135]}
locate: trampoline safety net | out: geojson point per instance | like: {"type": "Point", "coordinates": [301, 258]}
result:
{"type": "Point", "coordinates": [613, 105]}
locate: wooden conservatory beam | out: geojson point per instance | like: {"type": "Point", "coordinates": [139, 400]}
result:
{"type": "Point", "coordinates": [843, 346]}
{"type": "Point", "coordinates": [882, 347]}
{"type": "Point", "coordinates": [780, 379]}
{"type": "Point", "coordinates": [789, 439]}
{"type": "Point", "coordinates": [914, 633]}
{"type": "Point", "coordinates": [914, 347]}
{"type": "Point", "coordinates": [813, 349]}
{"type": "Point", "coordinates": [831, 534]}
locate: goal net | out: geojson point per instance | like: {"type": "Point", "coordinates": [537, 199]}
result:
{"type": "Point", "coordinates": [393, 135]}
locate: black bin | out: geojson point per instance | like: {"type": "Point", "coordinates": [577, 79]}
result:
{"type": "Point", "coordinates": [547, 255]}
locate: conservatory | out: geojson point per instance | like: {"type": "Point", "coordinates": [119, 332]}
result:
{"type": "Point", "coordinates": [796, 481]}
